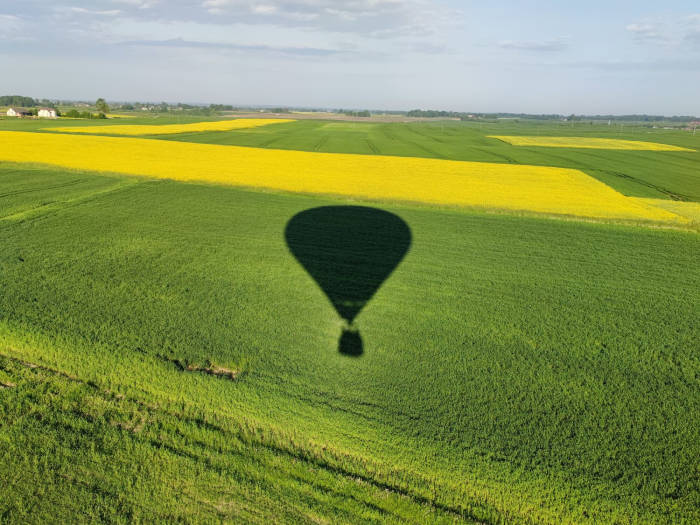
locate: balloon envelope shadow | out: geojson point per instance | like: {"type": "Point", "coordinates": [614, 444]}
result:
{"type": "Point", "coordinates": [349, 251]}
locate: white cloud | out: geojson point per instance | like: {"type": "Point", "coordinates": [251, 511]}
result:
{"type": "Point", "coordinates": [646, 66]}
{"type": "Point", "coordinates": [649, 33]}
{"type": "Point", "coordinates": [669, 32]}
{"type": "Point", "coordinates": [558, 44]}
{"type": "Point", "coordinates": [13, 28]}
{"type": "Point", "coordinates": [264, 9]}
{"type": "Point", "coordinates": [692, 34]}
{"type": "Point", "coordinates": [84, 11]}
{"type": "Point", "coordinates": [380, 18]}
{"type": "Point", "coordinates": [140, 4]}
{"type": "Point", "coordinates": [242, 48]}
{"type": "Point", "coordinates": [373, 18]}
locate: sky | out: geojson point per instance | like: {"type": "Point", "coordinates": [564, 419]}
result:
{"type": "Point", "coordinates": [593, 57]}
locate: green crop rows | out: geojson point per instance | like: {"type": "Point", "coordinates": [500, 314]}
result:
{"type": "Point", "coordinates": [513, 369]}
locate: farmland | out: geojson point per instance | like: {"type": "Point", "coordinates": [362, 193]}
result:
{"type": "Point", "coordinates": [588, 143]}
{"type": "Point", "coordinates": [166, 354]}
{"type": "Point", "coordinates": [486, 185]}
{"type": "Point", "coordinates": [166, 129]}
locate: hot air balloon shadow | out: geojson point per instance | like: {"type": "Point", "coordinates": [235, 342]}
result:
{"type": "Point", "coordinates": [349, 251]}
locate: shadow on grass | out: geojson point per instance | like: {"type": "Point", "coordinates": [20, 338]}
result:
{"type": "Point", "coordinates": [349, 251]}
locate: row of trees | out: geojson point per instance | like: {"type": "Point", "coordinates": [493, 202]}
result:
{"type": "Point", "coordinates": [164, 107]}
{"type": "Point", "coordinates": [615, 118]}
{"type": "Point", "coordinates": [18, 100]}
{"type": "Point", "coordinates": [74, 113]}
{"type": "Point", "coordinates": [430, 113]}
{"type": "Point", "coordinates": [100, 105]}
{"type": "Point", "coordinates": [351, 113]}
{"type": "Point", "coordinates": [24, 102]}
{"type": "Point", "coordinates": [103, 108]}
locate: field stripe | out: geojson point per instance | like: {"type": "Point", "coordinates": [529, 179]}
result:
{"type": "Point", "coordinates": [586, 143]}
{"type": "Point", "coordinates": [690, 210]}
{"type": "Point", "coordinates": [487, 185]}
{"type": "Point", "coordinates": [168, 129]}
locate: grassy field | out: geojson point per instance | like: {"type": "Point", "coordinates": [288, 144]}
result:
{"type": "Point", "coordinates": [164, 354]}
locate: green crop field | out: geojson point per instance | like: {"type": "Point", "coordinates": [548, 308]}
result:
{"type": "Point", "coordinates": [187, 352]}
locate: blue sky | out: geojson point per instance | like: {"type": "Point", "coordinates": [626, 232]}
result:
{"type": "Point", "coordinates": [536, 57]}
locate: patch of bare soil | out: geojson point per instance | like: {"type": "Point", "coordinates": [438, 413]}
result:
{"type": "Point", "coordinates": [214, 370]}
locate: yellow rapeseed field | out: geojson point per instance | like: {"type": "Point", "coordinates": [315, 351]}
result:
{"type": "Point", "coordinates": [500, 186]}
{"type": "Point", "coordinates": [689, 210]}
{"type": "Point", "coordinates": [167, 129]}
{"type": "Point", "coordinates": [587, 143]}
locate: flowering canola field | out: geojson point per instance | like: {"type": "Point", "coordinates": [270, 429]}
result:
{"type": "Point", "coordinates": [445, 182]}
{"type": "Point", "coordinates": [689, 210]}
{"type": "Point", "coordinates": [168, 129]}
{"type": "Point", "coordinates": [587, 143]}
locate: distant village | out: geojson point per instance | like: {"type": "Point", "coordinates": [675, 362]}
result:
{"type": "Point", "coordinates": [28, 107]}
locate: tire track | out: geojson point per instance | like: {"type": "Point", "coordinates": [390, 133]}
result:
{"type": "Point", "coordinates": [373, 148]}
{"type": "Point", "coordinates": [321, 143]}
{"type": "Point", "coordinates": [55, 187]}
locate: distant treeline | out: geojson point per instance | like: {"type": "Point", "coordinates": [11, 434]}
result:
{"type": "Point", "coordinates": [24, 102]}
{"type": "Point", "coordinates": [164, 107]}
{"type": "Point", "coordinates": [615, 118]}
{"type": "Point", "coordinates": [17, 100]}
{"type": "Point", "coordinates": [640, 118]}
{"type": "Point", "coordinates": [351, 113]}
{"type": "Point", "coordinates": [211, 109]}
{"type": "Point", "coordinates": [74, 113]}
{"type": "Point", "coordinates": [430, 113]}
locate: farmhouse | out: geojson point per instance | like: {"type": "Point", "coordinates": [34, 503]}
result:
{"type": "Point", "coordinates": [47, 113]}
{"type": "Point", "coordinates": [18, 112]}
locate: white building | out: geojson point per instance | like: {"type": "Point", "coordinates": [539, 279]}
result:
{"type": "Point", "coordinates": [47, 113]}
{"type": "Point", "coordinates": [18, 112]}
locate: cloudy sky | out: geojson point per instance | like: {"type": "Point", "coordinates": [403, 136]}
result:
{"type": "Point", "coordinates": [549, 56]}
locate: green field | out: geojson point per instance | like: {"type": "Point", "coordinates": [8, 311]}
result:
{"type": "Point", "coordinates": [164, 355]}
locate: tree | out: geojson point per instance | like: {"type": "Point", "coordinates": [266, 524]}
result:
{"type": "Point", "coordinates": [17, 100]}
{"type": "Point", "coordinates": [102, 106]}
